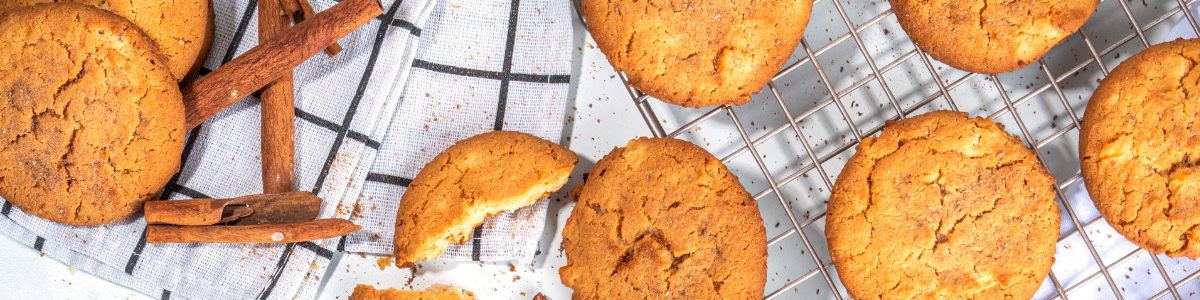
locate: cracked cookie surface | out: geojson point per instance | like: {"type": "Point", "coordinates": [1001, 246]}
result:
{"type": "Point", "coordinates": [181, 29]}
{"type": "Point", "coordinates": [92, 118]}
{"type": "Point", "coordinates": [477, 177]}
{"type": "Point", "coordinates": [698, 53]}
{"type": "Point", "coordinates": [1140, 151]}
{"type": "Point", "coordinates": [940, 206]}
{"type": "Point", "coordinates": [990, 36]}
{"type": "Point", "coordinates": [663, 218]}
{"type": "Point", "coordinates": [435, 292]}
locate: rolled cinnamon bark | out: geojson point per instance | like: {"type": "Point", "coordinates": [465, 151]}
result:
{"type": "Point", "coordinates": [278, 109]}
{"type": "Point", "coordinates": [283, 208]}
{"type": "Point", "coordinates": [284, 233]}
{"type": "Point", "coordinates": [307, 11]}
{"type": "Point", "coordinates": [264, 63]}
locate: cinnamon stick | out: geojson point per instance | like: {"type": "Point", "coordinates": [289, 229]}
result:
{"type": "Point", "coordinates": [291, 7]}
{"type": "Point", "coordinates": [284, 208]}
{"type": "Point", "coordinates": [278, 109]}
{"type": "Point", "coordinates": [194, 212]}
{"type": "Point", "coordinates": [264, 63]}
{"type": "Point", "coordinates": [285, 233]}
{"type": "Point", "coordinates": [307, 11]}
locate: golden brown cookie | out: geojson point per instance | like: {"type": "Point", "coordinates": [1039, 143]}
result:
{"type": "Point", "coordinates": [210, 32]}
{"type": "Point", "coordinates": [435, 292]}
{"type": "Point", "coordinates": [92, 121]}
{"type": "Point", "coordinates": [182, 29]}
{"type": "Point", "coordinates": [698, 53]}
{"type": "Point", "coordinates": [477, 177]}
{"type": "Point", "coordinates": [1139, 149]}
{"type": "Point", "coordinates": [663, 218]}
{"type": "Point", "coordinates": [940, 206]}
{"type": "Point", "coordinates": [990, 36]}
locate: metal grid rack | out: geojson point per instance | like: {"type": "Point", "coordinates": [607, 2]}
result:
{"type": "Point", "coordinates": [813, 156]}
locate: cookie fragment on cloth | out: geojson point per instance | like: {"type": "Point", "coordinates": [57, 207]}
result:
{"type": "Point", "coordinates": [477, 177]}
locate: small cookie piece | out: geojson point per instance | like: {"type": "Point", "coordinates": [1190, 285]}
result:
{"type": "Point", "coordinates": [435, 292]}
{"type": "Point", "coordinates": [664, 218]}
{"type": "Point", "coordinates": [1139, 148]}
{"type": "Point", "coordinates": [990, 36]}
{"type": "Point", "coordinates": [477, 177]}
{"type": "Point", "coordinates": [182, 29]}
{"type": "Point", "coordinates": [93, 125]}
{"type": "Point", "coordinates": [698, 53]}
{"type": "Point", "coordinates": [940, 206]}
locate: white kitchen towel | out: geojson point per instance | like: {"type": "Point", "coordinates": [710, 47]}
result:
{"type": "Point", "coordinates": [446, 65]}
{"type": "Point", "coordinates": [465, 82]}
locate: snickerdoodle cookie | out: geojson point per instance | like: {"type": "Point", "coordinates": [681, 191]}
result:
{"type": "Point", "coordinates": [93, 122]}
{"type": "Point", "coordinates": [941, 206]}
{"type": "Point", "coordinates": [1139, 147]}
{"type": "Point", "coordinates": [475, 178]}
{"type": "Point", "coordinates": [663, 218]}
{"type": "Point", "coordinates": [435, 292]}
{"type": "Point", "coordinates": [182, 29]}
{"type": "Point", "coordinates": [698, 53]}
{"type": "Point", "coordinates": [990, 36]}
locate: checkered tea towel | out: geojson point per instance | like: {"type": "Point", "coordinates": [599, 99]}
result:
{"type": "Point", "coordinates": [406, 86]}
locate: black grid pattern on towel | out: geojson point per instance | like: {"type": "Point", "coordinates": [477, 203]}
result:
{"type": "Point", "coordinates": [174, 187]}
{"type": "Point", "coordinates": [189, 145]}
{"type": "Point", "coordinates": [342, 130]}
{"type": "Point", "coordinates": [505, 76]}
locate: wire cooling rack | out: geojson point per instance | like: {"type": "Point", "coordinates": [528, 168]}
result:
{"type": "Point", "coordinates": [845, 83]}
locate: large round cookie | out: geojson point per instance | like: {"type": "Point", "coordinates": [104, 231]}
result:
{"type": "Point", "coordinates": [182, 29]}
{"type": "Point", "coordinates": [990, 36]}
{"type": "Point", "coordinates": [1140, 151]}
{"type": "Point", "coordinates": [662, 218]}
{"type": "Point", "coordinates": [435, 292]}
{"type": "Point", "coordinates": [92, 124]}
{"type": "Point", "coordinates": [940, 206]}
{"type": "Point", "coordinates": [698, 53]}
{"type": "Point", "coordinates": [477, 177]}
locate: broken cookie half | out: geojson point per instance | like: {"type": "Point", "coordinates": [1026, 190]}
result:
{"type": "Point", "coordinates": [477, 177]}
